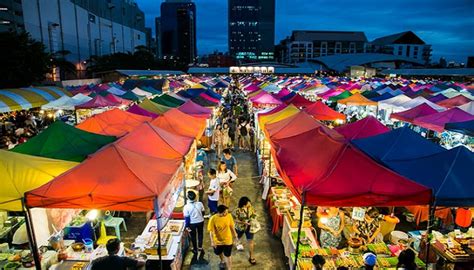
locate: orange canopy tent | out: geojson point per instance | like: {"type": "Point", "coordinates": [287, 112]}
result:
{"type": "Point", "coordinates": [113, 123]}
{"type": "Point", "coordinates": [153, 141]}
{"type": "Point", "coordinates": [114, 178]}
{"type": "Point", "coordinates": [357, 100]}
{"type": "Point", "coordinates": [180, 123]}
{"type": "Point", "coordinates": [321, 111]}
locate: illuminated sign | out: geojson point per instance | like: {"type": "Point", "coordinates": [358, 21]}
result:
{"type": "Point", "coordinates": [246, 70]}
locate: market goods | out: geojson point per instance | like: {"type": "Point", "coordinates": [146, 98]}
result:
{"type": "Point", "coordinates": [379, 248]}
{"type": "Point", "coordinates": [305, 265]}
{"type": "Point", "coordinates": [4, 256]}
{"type": "Point", "coordinates": [78, 266]}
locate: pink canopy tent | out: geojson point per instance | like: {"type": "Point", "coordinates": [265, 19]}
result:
{"type": "Point", "coordinates": [97, 102]}
{"type": "Point", "coordinates": [454, 101]}
{"type": "Point", "coordinates": [283, 93]}
{"type": "Point", "coordinates": [363, 128]}
{"type": "Point", "coordinates": [437, 121]}
{"type": "Point", "coordinates": [140, 111]}
{"type": "Point", "coordinates": [116, 99]}
{"type": "Point", "coordinates": [194, 109]}
{"type": "Point", "coordinates": [265, 98]}
{"type": "Point", "coordinates": [299, 101]}
{"type": "Point", "coordinates": [251, 88]}
{"type": "Point", "coordinates": [409, 115]}
{"type": "Point", "coordinates": [330, 93]}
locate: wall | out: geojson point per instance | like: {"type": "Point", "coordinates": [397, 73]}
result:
{"type": "Point", "coordinates": [80, 82]}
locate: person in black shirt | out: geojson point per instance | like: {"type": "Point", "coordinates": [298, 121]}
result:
{"type": "Point", "coordinates": [114, 262]}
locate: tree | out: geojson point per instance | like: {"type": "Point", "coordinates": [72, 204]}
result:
{"type": "Point", "coordinates": [23, 60]}
{"type": "Point", "coordinates": [58, 60]}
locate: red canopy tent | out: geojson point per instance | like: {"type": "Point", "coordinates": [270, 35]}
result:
{"type": "Point", "coordinates": [113, 123]}
{"type": "Point", "coordinates": [97, 102]}
{"type": "Point", "coordinates": [299, 101]}
{"type": "Point", "coordinates": [454, 101]}
{"type": "Point", "coordinates": [321, 111]}
{"type": "Point", "coordinates": [332, 172]}
{"type": "Point", "coordinates": [409, 115]}
{"type": "Point", "coordinates": [195, 110]}
{"type": "Point", "coordinates": [363, 128]}
{"type": "Point", "coordinates": [437, 121]}
{"type": "Point", "coordinates": [113, 98]}
{"type": "Point", "coordinates": [180, 123]}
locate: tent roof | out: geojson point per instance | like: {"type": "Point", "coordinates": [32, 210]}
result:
{"type": "Point", "coordinates": [363, 128]}
{"type": "Point", "coordinates": [65, 142]}
{"type": "Point", "coordinates": [153, 107]}
{"type": "Point", "coordinates": [277, 116]}
{"type": "Point", "coordinates": [27, 98]}
{"type": "Point", "coordinates": [454, 101]}
{"type": "Point", "coordinates": [264, 98]}
{"type": "Point", "coordinates": [466, 127]}
{"type": "Point", "coordinates": [419, 100]}
{"type": "Point", "coordinates": [394, 103]}
{"type": "Point", "coordinates": [468, 107]}
{"type": "Point", "coordinates": [437, 121]}
{"type": "Point", "coordinates": [167, 100]}
{"type": "Point", "coordinates": [129, 95]}
{"type": "Point", "coordinates": [140, 111]}
{"type": "Point", "coordinates": [118, 100]}
{"type": "Point", "coordinates": [98, 102]}
{"type": "Point", "coordinates": [22, 173]}
{"type": "Point", "coordinates": [114, 178]}
{"type": "Point", "coordinates": [181, 123]}
{"type": "Point", "coordinates": [114, 123]}
{"type": "Point", "coordinates": [299, 101]}
{"type": "Point", "coordinates": [204, 101]}
{"type": "Point", "coordinates": [358, 100]}
{"type": "Point", "coordinates": [139, 92]}
{"type": "Point", "coordinates": [409, 115]}
{"type": "Point", "coordinates": [448, 173]}
{"type": "Point", "coordinates": [333, 173]}
{"type": "Point", "coordinates": [194, 109]}
{"type": "Point", "coordinates": [322, 112]}
{"type": "Point", "coordinates": [342, 95]}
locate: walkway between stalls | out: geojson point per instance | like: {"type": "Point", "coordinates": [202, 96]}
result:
{"type": "Point", "coordinates": [268, 249]}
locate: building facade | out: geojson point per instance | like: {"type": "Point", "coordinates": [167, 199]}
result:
{"type": "Point", "coordinates": [302, 46]}
{"type": "Point", "coordinates": [11, 16]}
{"type": "Point", "coordinates": [251, 29]}
{"type": "Point", "coordinates": [178, 30]}
{"type": "Point", "coordinates": [158, 37]}
{"type": "Point", "coordinates": [406, 44]}
{"type": "Point", "coordinates": [82, 28]}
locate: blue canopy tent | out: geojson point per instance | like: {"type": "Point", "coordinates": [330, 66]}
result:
{"type": "Point", "coordinates": [466, 127]}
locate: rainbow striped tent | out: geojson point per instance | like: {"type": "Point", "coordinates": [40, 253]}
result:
{"type": "Point", "coordinates": [27, 98]}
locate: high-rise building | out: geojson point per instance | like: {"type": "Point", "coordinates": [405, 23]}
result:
{"type": "Point", "coordinates": [251, 29]}
{"type": "Point", "coordinates": [83, 28]}
{"type": "Point", "coordinates": [159, 54]}
{"type": "Point", "coordinates": [178, 30]}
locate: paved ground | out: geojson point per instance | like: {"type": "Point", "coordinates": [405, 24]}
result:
{"type": "Point", "coordinates": [268, 249]}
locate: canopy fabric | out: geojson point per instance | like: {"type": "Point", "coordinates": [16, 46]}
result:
{"type": "Point", "coordinates": [62, 103]}
{"type": "Point", "coordinates": [264, 98]}
{"type": "Point", "coordinates": [204, 101]}
{"type": "Point", "coordinates": [209, 98]}
{"type": "Point", "coordinates": [156, 142]}
{"type": "Point", "coordinates": [251, 95]}
{"type": "Point", "coordinates": [333, 173]}
{"type": "Point", "coordinates": [454, 101]}
{"type": "Point", "coordinates": [282, 93]}
{"type": "Point", "coordinates": [180, 123]}
{"type": "Point", "coordinates": [168, 101]}
{"type": "Point", "coordinates": [420, 100]}
{"type": "Point", "coordinates": [466, 127]}
{"type": "Point", "coordinates": [394, 103]}
{"type": "Point", "coordinates": [398, 144]}
{"type": "Point", "coordinates": [113, 123]}
{"type": "Point", "coordinates": [27, 98]}
{"type": "Point", "coordinates": [62, 141]}
{"type": "Point", "coordinates": [363, 128]}
{"type": "Point", "coordinates": [114, 178]}
{"type": "Point", "coordinates": [409, 115]}
{"type": "Point", "coordinates": [322, 112]}
{"type": "Point", "coordinates": [277, 116]}
{"type": "Point", "coordinates": [114, 90]}
{"type": "Point", "coordinates": [357, 100]}
{"type": "Point", "coordinates": [118, 100]}
{"type": "Point", "coordinates": [22, 173]}
{"type": "Point", "coordinates": [131, 96]}
{"type": "Point", "coordinates": [139, 92]}
{"type": "Point", "coordinates": [194, 109]}
{"type": "Point", "coordinates": [448, 173]}
{"type": "Point", "coordinates": [176, 96]}
{"type": "Point", "coordinates": [98, 102]}
{"type": "Point", "coordinates": [468, 107]}
{"type": "Point", "coordinates": [140, 111]}
{"type": "Point", "coordinates": [299, 101]}
{"type": "Point", "coordinates": [437, 121]}
{"type": "Point", "coordinates": [437, 98]}
{"type": "Point", "coordinates": [342, 95]}
{"type": "Point", "coordinates": [153, 107]}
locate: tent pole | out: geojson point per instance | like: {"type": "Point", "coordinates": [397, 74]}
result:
{"type": "Point", "coordinates": [300, 224]}
{"type": "Point", "coordinates": [157, 216]}
{"type": "Point", "coordinates": [429, 229]}
{"type": "Point", "coordinates": [31, 235]}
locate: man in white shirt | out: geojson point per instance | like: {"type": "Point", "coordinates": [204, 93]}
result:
{"type": "Point", "coordinates": [194, 220]}
{"type": "Point", "coordinates": [213, 191]}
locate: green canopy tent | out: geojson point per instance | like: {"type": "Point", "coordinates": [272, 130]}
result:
{"type": "Point", "coordinates": [131, 96]}
{"type": "Point", "coordinates": [168, 101]}
{"type": "Point", "coordinates": [65, 142]}
{"type": "Point", "coordinates": [153, 107]}
{"type": "Point", "coordinates": [342, 95]}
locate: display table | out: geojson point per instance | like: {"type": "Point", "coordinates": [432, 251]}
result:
{"type": "Point", "coordinates": [288, 243]}
{"type": "Point", "coordinates": [421, 214]}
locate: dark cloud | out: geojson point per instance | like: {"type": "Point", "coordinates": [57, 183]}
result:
{"type": "Point", "coordinates": [447, 25]}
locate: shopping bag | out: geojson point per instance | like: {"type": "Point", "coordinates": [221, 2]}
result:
{"type": "Point", "coordinates": [254, 226]}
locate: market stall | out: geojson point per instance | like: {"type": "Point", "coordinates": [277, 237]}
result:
{"type": "Point", "coordinates": [366, 127]}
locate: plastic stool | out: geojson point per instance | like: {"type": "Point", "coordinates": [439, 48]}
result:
{"type": "Point", "coordinates": [104, 238]}
{"type": "Point", "coordinates": [115, 223]}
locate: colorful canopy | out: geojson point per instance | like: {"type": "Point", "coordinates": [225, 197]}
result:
{"type": "Point", "coordinates": [409, 115]}
{"type": "Point", "coordinates": [357, 100]}
{"type": "Point", "coordinates": [437, 121]}
{"type": "Point", "coordinates": [420, 100]}
{"type": "Point", "coordinates": [115, 99]}
{"type": "Point", "coordinates": [66, 102]}
{"type": "Point", "coordinates": [98, 102]}
{"type": "Point", "coordinates": [140, 111]}
{"type": "Point", "coordinates": [194, 109]}
{"type": "Point", "coordinates": [321, 111]}
{"type": "Point", "coordinates": [468, 107]}
{"type": "Point", "coordinates": [131, 96]}
{"type": "Point", "coordinates": [180, 123]}
{"type": "Point", "coordinates": [168, 101]}
{"type": "Point", "coordinates": [114, 178]}
{"type": "Point", "coordinates": [363, 128]}
{"type": "Point", "coordinates": [62, 141]}
{"type": "Point", "coordinates": [27, 98]}
{"type": "Point", "coordinates": [299, 101]}
{"type": "Point", "coordinates": [466, 127]}
{"type": "Point", "coordinates": [333, 173]}
{"type": "Point", "coordinates": [342, 95]}
{"type": "Point", "coordinates": [264, 98]}
{"type": "Point", "coordinates": [22, 173]}
{"type": "Point", "coordinates": [277, 116]}
{"type": "Point", "coordinates": [139, 92]}
{"type": "Point", "coordinates": [113, 123]}
{"type": "Point", "coordinates": [454, 101]}
{"type": "Point", "coordinates": [153, 107]}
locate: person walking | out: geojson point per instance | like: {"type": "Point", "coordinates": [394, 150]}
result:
{"type": "Point", "coordinates": [230, 161]}
{"type": "Point", "coordinates": [217, 140]}
{"type": "Point", "coordinates": [244, 214]}
{"type": "Point", "coordinates": [226, 178]}
{"type": "Point", "coordinates": [213, 191]}
{"type": "Point", "coordinates": [226, 141]}
{"type": "Point", "coordinates": [243, 132]}
{"type": "Point", "coordinates": [194, 221]}
{"type": "Point", "coordinates": [222, 233]}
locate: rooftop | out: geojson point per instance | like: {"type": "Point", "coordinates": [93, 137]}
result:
{"type": "Point", "coordinates": [407, 37]}
{"type": "Point", "coordinates": [304, 35]}
{"type": "Point", "coordinates": [431, 72]}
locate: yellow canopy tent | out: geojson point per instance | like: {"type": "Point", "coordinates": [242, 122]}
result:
{"type": "Point", "coordinates": [278, 116]}
{"type": "Point", "coordinates": [21, 173]}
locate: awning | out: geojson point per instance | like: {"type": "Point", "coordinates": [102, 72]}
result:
{"type": "Point", "coordinates": [27, 98]}
{"type": "Point", "coordinates": [363, 128]}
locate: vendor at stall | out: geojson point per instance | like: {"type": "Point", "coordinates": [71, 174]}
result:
{"type": "Point", "coordinates": [113, 261]}
{"type": "Point", "coordinates": [331, 223]}
{"type": "Point", "coordinates": [369, 228]}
